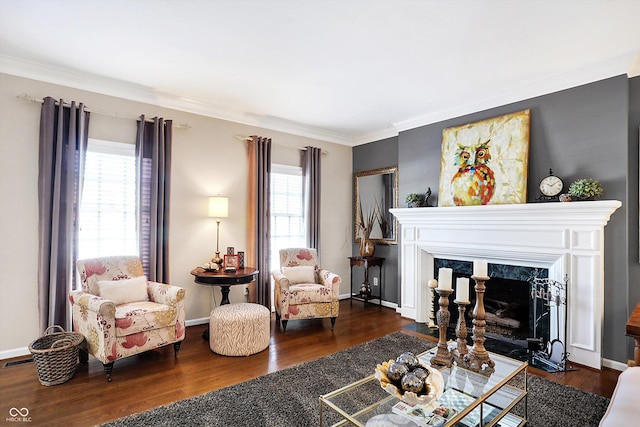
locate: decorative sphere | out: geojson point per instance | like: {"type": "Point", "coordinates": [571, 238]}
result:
{"type": "Point", "coordinates": [396, 371]}
{"type": "Point", "coordinates": [408, 359]}
{"type": "Point", "coordinates": [421, 373]}
{"type": "Point", "coordinates": [432, 283]}
{"type": "Point", "coordinates": [411, 382]}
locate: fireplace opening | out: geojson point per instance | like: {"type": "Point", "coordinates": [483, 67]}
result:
{"type": "Point", "coordinates": [506, 303]}
{"type": "Point", "coordinates": [513, 317]}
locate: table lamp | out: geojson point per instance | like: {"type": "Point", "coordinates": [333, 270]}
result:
{"type": "Point", "coordinates": [218, 208]}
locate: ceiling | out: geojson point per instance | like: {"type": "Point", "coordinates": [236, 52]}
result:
{"type": "Point", "coordinates": [344, 71]}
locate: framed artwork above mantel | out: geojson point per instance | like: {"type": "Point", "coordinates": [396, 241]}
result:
{"type": "Point", "coordinates": [485, 162]}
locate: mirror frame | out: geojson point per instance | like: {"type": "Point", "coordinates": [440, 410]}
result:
{"type": "Point", "coordinates": [388, 170]}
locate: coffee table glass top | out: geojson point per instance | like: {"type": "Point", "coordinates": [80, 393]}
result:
{"type": "Point", "coordinates": [469, 392]}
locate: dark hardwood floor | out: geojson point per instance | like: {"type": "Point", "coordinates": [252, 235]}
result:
{"type": "Point", "coordinates": [156, 378]}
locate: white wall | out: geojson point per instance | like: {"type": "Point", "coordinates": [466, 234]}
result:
{"type": "Point", "coordinates": [208, 159]}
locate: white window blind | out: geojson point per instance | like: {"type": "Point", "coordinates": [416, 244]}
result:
{"type": "Point", "coordinates": [108, 204]}
{"type": "Point", "coordinates": [287, 213]}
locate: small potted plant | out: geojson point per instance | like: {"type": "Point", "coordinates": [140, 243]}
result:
{"type": "Point", "coordinates": [585, 189]}
{"type": "Point", "coordinates": [414, 200]}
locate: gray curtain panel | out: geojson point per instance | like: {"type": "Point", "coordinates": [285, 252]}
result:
{"type": "Point", "coordinates": [260, 150]}
{"type": "Point", "coordinates": [63, 144]}
{"type": "Point", "coordinates": [153, 157]}
{"type": "Point", "coordinates": [311, 193]}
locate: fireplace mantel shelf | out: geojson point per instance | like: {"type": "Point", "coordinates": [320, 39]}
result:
{"type": "Point", "coordinates": [596, 213]}
{"type": "Point", "coordinates": [565, 238]}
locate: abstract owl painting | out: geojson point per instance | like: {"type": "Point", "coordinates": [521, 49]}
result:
{"type": "Point", "coordinates": [485, 162]}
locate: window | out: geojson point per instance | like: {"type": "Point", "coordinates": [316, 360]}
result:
{"type": "Point", "coordinates": [108, 203]}
{"type": "Point", "coordinates": [287, 212]}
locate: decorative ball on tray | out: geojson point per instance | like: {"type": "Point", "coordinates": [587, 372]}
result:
{"type": "Point", "coordinates": [409, 380]}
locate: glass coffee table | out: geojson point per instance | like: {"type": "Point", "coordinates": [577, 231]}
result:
{"type": "Point", "coordinates": [481, 399]}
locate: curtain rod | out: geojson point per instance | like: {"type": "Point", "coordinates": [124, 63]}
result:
{"type": "Point", "coordinates": [26, 98]}
{"type": "Point", "coordinates": [248, 138]}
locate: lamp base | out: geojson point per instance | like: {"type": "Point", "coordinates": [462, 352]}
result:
{"type": "Point", "coordinates": [216, 258]}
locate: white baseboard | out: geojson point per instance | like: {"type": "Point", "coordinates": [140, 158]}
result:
{"type": "Point", "coordinates": [16, 352]}
{"type": "Point", "coordinates": [612, 364]}
{"type": "Point", "coordinates": [384, 303]}
{"type": "Point", "coordinates": [194, 322]}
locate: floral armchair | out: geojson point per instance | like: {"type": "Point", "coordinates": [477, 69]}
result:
{"type": "Point", "coordinates": [120, 313]}
{"type": "Point", "coordinates": [302, 290]}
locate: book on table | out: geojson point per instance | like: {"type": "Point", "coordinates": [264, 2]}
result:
{"type": "Point", "coordinates": [425, 416]}
{"type": "Point", "coordinates": [450, 403]}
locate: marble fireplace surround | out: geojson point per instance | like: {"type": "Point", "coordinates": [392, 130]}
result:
{"type": "Point", "coordinates": [565, 238]}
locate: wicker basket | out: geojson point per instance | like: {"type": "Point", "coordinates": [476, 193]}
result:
{"type": "Point", "coordinates": [56, 355]}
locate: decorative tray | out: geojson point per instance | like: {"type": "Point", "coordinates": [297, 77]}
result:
{"type": "Point", "coordinates": [434, 385]}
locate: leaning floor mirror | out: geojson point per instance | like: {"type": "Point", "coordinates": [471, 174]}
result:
{"type": "Point", "coordinates": [376, 191]}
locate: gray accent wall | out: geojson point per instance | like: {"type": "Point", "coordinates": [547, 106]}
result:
{"type": "Point", "coordinates": [375, 155]}
{"type": "Point", "coordinates": [589, 131]}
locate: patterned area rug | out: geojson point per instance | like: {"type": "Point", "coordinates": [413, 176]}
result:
{"type": "Point", "coordinates": [290, 397]}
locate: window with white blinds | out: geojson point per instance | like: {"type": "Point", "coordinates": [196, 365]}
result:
{"type": "Point", "coordinates": [287, 212]}
{"type": "Point", "coordinates": [108, 203]}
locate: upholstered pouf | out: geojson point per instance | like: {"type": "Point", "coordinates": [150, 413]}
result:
{"type": "Point", "coordinates": [239, 329]}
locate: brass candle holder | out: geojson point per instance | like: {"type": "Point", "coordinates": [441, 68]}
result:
{"type": "Point", "coordinates": [443, 356]}
{"type": "Point", "coordinates": [461, 331]}
{"type": "Point", "coordinates": [479, 356]}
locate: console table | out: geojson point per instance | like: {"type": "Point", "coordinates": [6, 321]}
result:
{"type": "Point", "coordinates": [366, 263]}
{"type": "Point", "coordinates": [633, 331]}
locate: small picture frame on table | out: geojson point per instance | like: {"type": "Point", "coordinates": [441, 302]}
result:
{"type": "Point", "coordinates": [231, 263]}
{"type": "Point", "coordinates": [240, 259]}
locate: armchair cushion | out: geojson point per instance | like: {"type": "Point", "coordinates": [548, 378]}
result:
{"type": "Point", "coordinates": [142, 316]}
{"type": "Point", "coordinates": [124, 291]}
{"type": "Point", "coordinates": [300, 274]}
{"type": "Point", "coordinates": [309, 293]}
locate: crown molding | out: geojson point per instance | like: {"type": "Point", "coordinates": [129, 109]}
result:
{"type": "Point", "coordinates": [530, 89]}
{"type": "Point", "coordinates": [148, 95]}
{"type": "Point", "coordinates": [378, 135]}
{"type": "Point", "coordinates": [626, 64]}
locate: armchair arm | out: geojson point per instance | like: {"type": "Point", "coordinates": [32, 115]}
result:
{"type": "Point", "coordinates": [281, 293]}
{"type": "Point", "coordinates": [93, 303]}
{"type": "Point", "coordinates": [165, 294]}
{"type": "Point", "coordinates": [281, 280]}
{"type": "Point", "coordinates": [95, 318]}
{"type": "Point", "coordinates": [331, 280]}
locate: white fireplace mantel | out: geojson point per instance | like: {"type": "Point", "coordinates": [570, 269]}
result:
{"type": "Point", "coordinates": [566, 238]}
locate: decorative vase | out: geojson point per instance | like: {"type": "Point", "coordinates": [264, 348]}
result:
{"type": "Point", "coordinates": [365, 291]}
{"type": "Point", "coordinates": [366, 247]}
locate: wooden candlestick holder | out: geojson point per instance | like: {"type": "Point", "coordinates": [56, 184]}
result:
{"type": "Point", "coordinates": [461, 331]}
{"type": "Point", "coordinates": [443, 356]}
{"type": "Point", "coordinates": [432, 295]}
{"type": "Point", "coordinates": [478, 356]}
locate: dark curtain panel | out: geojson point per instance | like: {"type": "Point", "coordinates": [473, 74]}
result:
{"type": "Point", "coordinates": [311, 194]}
{"type": "Point", "coordinates": [259, 215]}
{"type": "Point", "coordinates": [153, 157]}
{"type": "Point", "coordinates": [63, 144]}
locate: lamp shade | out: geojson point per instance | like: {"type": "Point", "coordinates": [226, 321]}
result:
{"type": "Point", "coordinates": [218, 207]}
